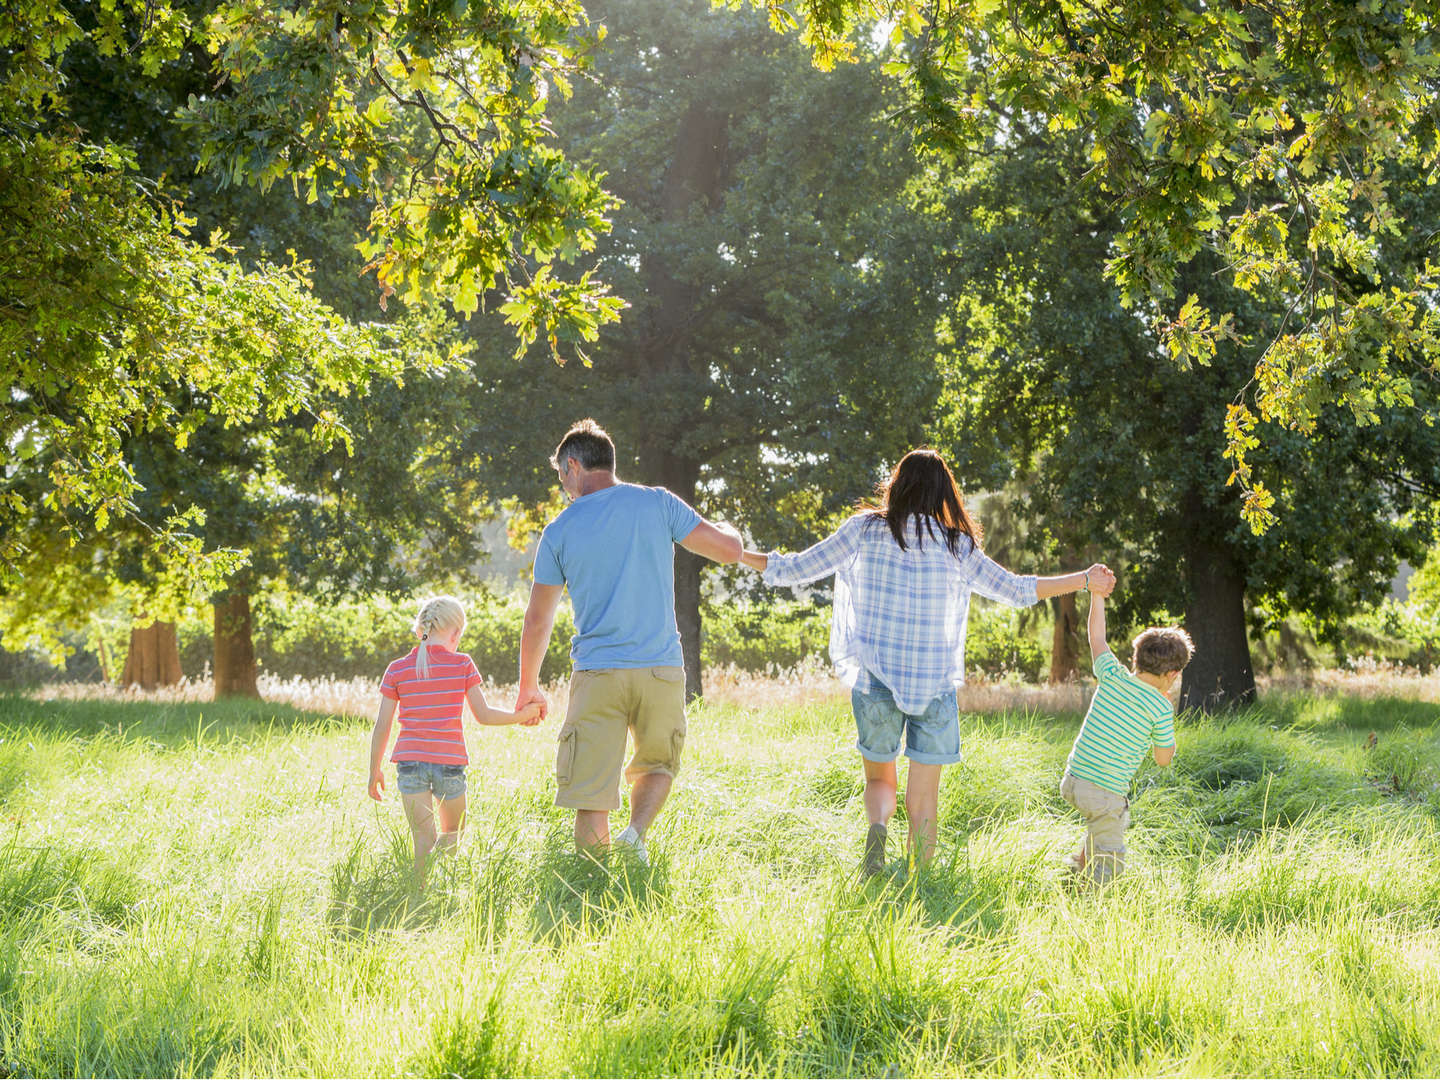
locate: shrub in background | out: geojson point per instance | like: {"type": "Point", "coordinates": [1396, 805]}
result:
{"type": "Point", "coordinates": [997, 648]}
{"type": "Point", "coordinates": [310, 637]}
{"type": "Point", "coordinates": [762, 638]}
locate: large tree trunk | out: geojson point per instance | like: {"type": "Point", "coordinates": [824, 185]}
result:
{"type": "Point", "coordinates": [697, 173]}
{"type": "Point", "coordinates": [662, 466]}
{"type": "Point", "coordinates": [1065, 640]}
{"type": "Point", "coordinates": [235, 669]}
{"type": "Point", "coordinates": [687, 616]}
{"type": "Point", "coordinates": [154, 656]}
{"type": "Point", "coordinates": [1220, 676]}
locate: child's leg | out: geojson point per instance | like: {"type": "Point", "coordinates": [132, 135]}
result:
{"type": "Point", "coordinates": [1076, 859]}
{"type": "Point", "coordinates": [420, 810]}
{"type": "Point", "coordinates": [452, 822]}
{"type": "Point", "coordinates": [1105, 840]}
{"type": "Point", "coordinates": [1102, 854]}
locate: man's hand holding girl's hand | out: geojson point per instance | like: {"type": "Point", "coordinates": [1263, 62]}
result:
{"type": "Point", "coordinates": [531, 695]}
{"type": "Point", "coordinates": [531, 714]}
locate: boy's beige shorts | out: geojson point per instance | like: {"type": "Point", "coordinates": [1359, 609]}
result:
{"type": "Point", "coordinates": [1106, 817]}
{"type": "Point", "coordinates": [648, 702]}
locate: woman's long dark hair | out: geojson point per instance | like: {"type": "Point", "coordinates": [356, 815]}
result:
{"type": "Point", "coordinates": [922, 488]}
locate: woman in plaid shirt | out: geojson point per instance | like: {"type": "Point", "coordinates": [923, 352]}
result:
{"type": "Point", "coordinates": [904, 572]}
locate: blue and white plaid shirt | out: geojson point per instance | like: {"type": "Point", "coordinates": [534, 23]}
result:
{"type": "Point", "coordinates": [900, 615]}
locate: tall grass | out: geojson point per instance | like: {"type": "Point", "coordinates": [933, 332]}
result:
{"type": "Point", "coordinates": [189, 888]}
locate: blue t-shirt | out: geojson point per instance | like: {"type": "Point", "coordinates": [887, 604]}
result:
{"type": "Point", "coordinates": [614, 548]}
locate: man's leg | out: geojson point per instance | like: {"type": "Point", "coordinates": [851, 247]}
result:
{"type": "Point", "coordinates": [658, 728]}
{"type": "Point", "coordinates": [647, 796]}
{"type": "Point", "coordinates": [922, 808]}
{"type": "Point", "coordinates": [592, 829]}
{"type": "Point", "coordinates": [591, 752]}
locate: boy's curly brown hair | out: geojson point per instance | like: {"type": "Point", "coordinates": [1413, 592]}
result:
{"type": "Point", "coordinates": [1163, 649]}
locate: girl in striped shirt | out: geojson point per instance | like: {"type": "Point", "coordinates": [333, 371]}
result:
{"type": "Point", "coordinates": [427, 689]}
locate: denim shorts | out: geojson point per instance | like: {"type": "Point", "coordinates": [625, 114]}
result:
{"type": "Point", "coordinates": [416, 777]}
{"type": "Point", "coordinates": [932, 738]}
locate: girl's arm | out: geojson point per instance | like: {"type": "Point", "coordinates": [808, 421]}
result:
{"type": "Point", "coordinates": [830, 555]}
{"type": "Point", "coordinates": [379, 740]}
{"type": "Point", "coordinates": [755, 560]}
{"type": "Point", "coordinates": [529, 715]}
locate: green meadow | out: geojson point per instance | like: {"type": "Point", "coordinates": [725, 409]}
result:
{"type": "Point", "coordinates": [204, 889]}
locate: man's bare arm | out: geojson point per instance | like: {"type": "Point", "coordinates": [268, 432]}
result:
{"type": "Point", "coordinates": [719, 543]}
{"type": "Point", "coordinates": [535, 639]}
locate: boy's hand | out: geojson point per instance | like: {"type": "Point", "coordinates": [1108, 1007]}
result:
{"type": "Point", "coordinates": [531, 714]}
{"type": "Point", "coordinates": [1102, 580]}
{"type": "Point", "coordinates": [377, 785]}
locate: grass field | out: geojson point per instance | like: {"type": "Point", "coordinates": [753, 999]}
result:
{"type": "Point", "coordinates": [200, 889]}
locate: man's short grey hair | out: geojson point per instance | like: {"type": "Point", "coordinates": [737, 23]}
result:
{"type": "Point", "coordinates": [589, 444]}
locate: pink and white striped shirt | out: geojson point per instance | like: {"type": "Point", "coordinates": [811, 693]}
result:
{"type": "Point", "coordinates": [430, 708]}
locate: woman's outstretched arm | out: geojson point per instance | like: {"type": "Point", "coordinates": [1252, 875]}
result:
{"type": "Point", "coordinates": [827, 557]}
{"type": "Point", "coordinates": [1098, 578]}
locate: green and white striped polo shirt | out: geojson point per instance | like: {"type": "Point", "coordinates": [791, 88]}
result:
{"type": "Point", "coordinates": [1126, 718]}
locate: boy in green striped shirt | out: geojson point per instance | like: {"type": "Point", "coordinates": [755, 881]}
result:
{"type": "Point", "coordinates": [1129, 715]}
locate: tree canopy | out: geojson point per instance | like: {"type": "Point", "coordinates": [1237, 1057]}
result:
{"type": "Point", "coordinates": [1051, 383]}
{"type": "Point", "coordinates": [1279, 137]}
{"type": "Point", "coordinates": [779, 346]}
{"type": "Point", "coordinates": [122, 327]}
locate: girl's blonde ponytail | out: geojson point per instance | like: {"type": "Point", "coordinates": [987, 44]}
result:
{"type": "Point", "coordinates": [438, 615]}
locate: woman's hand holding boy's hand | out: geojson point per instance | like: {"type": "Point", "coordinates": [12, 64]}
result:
{"type": "Point", "coordinates": [377, 785]}
{"type": "Point", "coordinates": [1102, 580]}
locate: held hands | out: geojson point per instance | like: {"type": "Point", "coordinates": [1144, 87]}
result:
{"type": "Point", "coordinates": [531, 698]}
{"type": "Point", "coordinates": [755, 560]}
{"type": "Point", "coordinates": [1102, 580]}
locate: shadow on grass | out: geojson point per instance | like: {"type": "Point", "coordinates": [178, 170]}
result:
{"type": "Point", "coordinates": [169, 725]}
{"type": "Point", "coordinates": [577, 892]}
{"type": "Point", "coordinates": [1238, 776]}
{"type": "Point", "coordinates": [1336, 714]}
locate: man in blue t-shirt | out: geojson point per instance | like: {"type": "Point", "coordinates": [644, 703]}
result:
{"type": "Point", "coordinates": [614, 548]}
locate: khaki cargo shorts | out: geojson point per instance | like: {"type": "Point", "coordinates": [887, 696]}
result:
{"type": "Point", "coordinates": [648, 702]}
{"type": "Point", "coordinates": [1106, 815]}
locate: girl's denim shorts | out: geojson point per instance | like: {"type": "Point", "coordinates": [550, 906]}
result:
{"type": "Point", "coordinates": [443, 781]}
